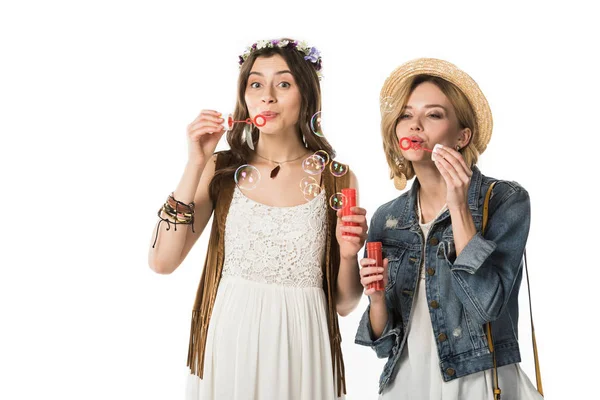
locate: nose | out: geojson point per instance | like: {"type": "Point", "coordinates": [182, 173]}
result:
{"type": "Point", "coordinates": [415, 126]}
{"type": "Point", "coordinates": [267, 96]}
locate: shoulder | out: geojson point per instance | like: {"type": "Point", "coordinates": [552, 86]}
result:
{"type": "Point", "coordinates": [352, 179]}
{"type": "Point", "coordinates": [222, 159]}
{"type": "Point", "coordinates": [504, 186]}
{"type": "Point", "coordinates": [393, 207]}
{"type": "Point", "coordinates": [504, 191]}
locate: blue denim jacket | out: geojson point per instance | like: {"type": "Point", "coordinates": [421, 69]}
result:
{"type": "Point", "coordinates": [478, 286]}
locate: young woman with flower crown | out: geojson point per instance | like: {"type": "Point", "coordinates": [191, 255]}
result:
{"type": "Point", "coordinates": [278, 268]}
{"type": "Point", "coordinates": [449, 311]}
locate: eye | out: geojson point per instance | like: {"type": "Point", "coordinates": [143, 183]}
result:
{"type": "Point", "coordinates": [404, 116]}
{"type": "Point", "coordinates": [285, 85]}
{"type": "Point", "coordinates": [255, 85]}
{"type": "Point", "coordinates": [435, 115]}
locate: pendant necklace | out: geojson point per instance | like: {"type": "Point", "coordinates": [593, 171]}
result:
{"type": "Point", "coordinates": [275, 170]}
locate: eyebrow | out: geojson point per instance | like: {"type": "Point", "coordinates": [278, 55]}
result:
{"type": "Point", "coordinates": [429, 106]}
{"type": "Point", "coordinates": [286, 71]}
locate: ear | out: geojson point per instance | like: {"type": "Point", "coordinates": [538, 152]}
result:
{"type": "Point", "coordinates": [464, 137]}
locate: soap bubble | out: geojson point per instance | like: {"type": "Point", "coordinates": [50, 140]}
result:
{"type": "Point", "coordinates": [313, 165]}
{"type": "Point", "coordinates": [338, 169]}
{"type": "Point", "coordinates": [247, 177]}
{"type": "Point", "coordinates": [337, 200]}
{"type": "Point", "coordinates": [311, 191]}
{"type": "Point", "coordinates": [315, 124]}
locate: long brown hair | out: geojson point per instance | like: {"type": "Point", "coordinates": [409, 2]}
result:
{"type": "Point", "coordinates": [464, 113]}
{"type": "Point", "coordinates": [310, 91]}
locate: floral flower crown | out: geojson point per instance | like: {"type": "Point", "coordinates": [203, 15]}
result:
{"type": "Point", "coordinates": [311, 54]}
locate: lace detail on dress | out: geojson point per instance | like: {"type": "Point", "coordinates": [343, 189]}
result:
{"type": "Point", "coordinates": [276, 245]}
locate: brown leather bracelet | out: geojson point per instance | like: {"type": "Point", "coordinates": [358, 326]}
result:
{"type": "Point", "coordinates": [178, 205]}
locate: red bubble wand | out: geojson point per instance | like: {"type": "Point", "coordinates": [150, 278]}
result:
{"type": "Point", "coordinates": [407, 143]}
{"type": "Point", "coordinates": [259, 120]}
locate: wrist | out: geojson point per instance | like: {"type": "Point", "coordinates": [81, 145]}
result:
{"type": "Point", "coordinates": [460, 209]}
{"type": "Point", "coordinates": [349, 258]}
{"type": "Point", "coordinates": [197, 164]}
{"type": "Point", "coordinates": [378, 299]}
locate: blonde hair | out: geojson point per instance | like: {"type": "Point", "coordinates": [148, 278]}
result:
{"type": "Point", "coordinates": [389, 119]}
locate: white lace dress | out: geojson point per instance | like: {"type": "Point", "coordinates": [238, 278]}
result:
{"type": "Point", "coordinates": [268, 335]}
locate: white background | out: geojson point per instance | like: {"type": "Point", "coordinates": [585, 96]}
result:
{"type": "Point", "coordinates": [94, 101]}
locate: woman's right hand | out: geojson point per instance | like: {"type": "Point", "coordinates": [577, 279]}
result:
{"type": "Point", "coordinates": [203, 135]}
{"type": "Point", "coordinates": [370, 273]}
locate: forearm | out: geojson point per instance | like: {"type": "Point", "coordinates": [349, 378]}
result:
{"type": "Point", "coordinates": [378, 316]}
{"type": "Point", "coordinates": [188, 184]}
{"type": "Point", "coordinates": [488, 268]}
{"type": "Point", "coordinates": [463, 227]}
{"type": "Point", "coordinates": [165, 256]}
{"type": "Point", "coordinates": [349, 289]}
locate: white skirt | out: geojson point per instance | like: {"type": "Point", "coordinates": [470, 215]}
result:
{"type": "Point", "coordinates": [266, 341]}
{"type": "Point", "coordinates": [419, 375]}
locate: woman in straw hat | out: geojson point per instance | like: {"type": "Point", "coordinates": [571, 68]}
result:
{"type": "Point", "coordinates": [445, 280]}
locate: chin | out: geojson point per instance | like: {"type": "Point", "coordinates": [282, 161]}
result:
{"type": "Point", "coordinates": [267, 130]}
{"type": "Point", "coordinates": [273, 129]}
{"type": "Point", "coordinates": [418, 157]}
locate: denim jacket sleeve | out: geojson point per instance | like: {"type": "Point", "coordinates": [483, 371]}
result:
{"type": "Point", "coordinates": [389, 338]}
{"type": "Point", "coordinates": [488, 268]}
{"type": "Point", "coordinates": [393, 328]}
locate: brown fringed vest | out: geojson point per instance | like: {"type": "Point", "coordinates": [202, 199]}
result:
{"type": "Point", "coordinates": [213, 266]}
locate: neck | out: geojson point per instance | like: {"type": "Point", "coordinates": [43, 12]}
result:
{"type": "Point", "coordinates": [432, 187]}
{"type": "Point", "coordinates": [281, 146]}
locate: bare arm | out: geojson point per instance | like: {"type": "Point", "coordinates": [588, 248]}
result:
{"type": "Point", "coordinates": [378, 317]}
{"type": "Point", "coordinates": [378, 313]}
{"type": "Point", "coordinates": [349, 288]}
{"type": "Point", "coordinates": [457, 176]}
{"type": "Point", "coordinates": [172, 246]}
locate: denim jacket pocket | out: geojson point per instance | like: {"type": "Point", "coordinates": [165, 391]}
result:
{"type": "Point", "coordinates": [394, 253]}
{"type": "Point", "coordinates": [476, 332]}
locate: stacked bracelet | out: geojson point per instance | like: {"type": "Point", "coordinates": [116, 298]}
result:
{"type": "Point", "coordinates": [176, 216]}
{"type": "Point", "coordinates": [175, 212]}
{"type": "Point", "coordinates": [175, 204]}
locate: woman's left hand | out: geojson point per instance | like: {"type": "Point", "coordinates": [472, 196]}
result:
{"type": "Point", "coordinates": [351, 245]}
{"type": "Point", "coordinates": [455, 172]}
